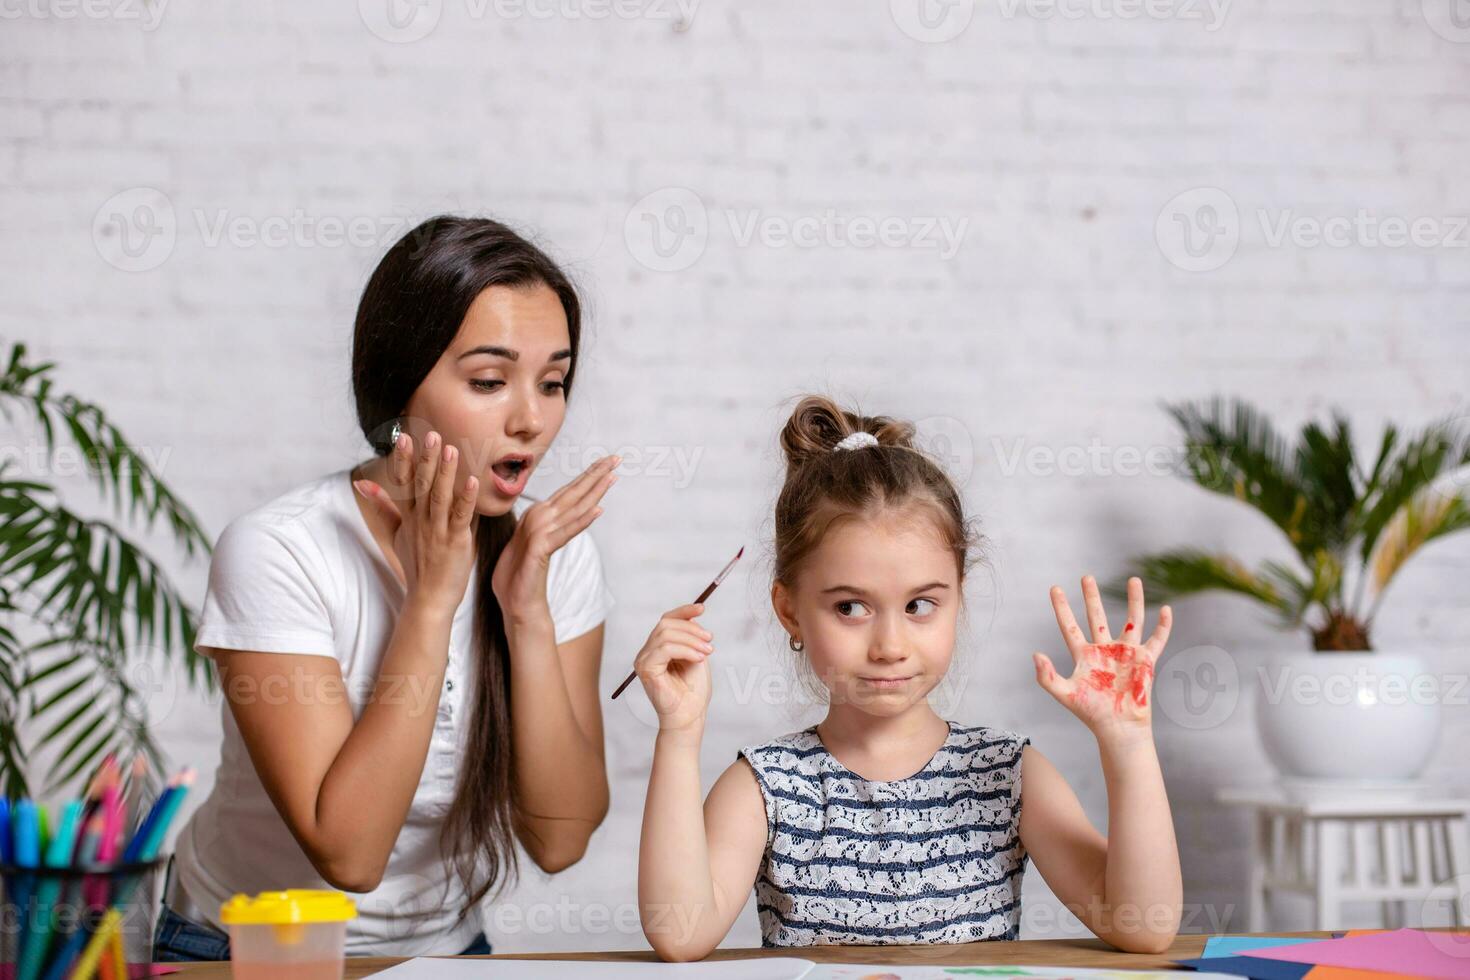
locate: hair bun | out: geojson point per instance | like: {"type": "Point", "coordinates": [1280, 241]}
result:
{"type": "Point", "coordinates": [818, 424]}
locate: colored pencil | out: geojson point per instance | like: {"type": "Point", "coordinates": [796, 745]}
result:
{"type": "Point", "coordinates": [134, 850]}
{"type": "Point", "coordinates": [43, 827]}
{"type": "Point", "coordinates": [111, 813]}
{"type": "Point", "coordinates": [137, 783]}
{"type": "Point", "coordinates": [87, 965]}
{"type": "Point", "coordinates": [171, 807]}
{"type": "Point", "coordinates": [6, 850]}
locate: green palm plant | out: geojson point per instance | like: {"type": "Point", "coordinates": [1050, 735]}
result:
{"type": "Point", "coordinates": [78, 599]}
{"type": "Point", "coordinates": [1351, 527]}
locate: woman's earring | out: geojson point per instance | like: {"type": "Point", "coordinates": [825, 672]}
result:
{"type": "Point", "coordinates": [395, 432]}
{"type": "Point", "coordinates": [796, 645]}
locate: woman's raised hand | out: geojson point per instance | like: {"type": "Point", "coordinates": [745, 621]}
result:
{"type": "Point", "coordinates": [519, 581]}
{"type": "Point", "coordinates": [1110, 685]}
{"type": "Point", "coordinates": [672, 668]}
{"type": "Point", "coordinates": [432, 536]}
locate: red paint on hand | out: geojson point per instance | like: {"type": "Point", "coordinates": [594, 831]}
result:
{"type": "Point", "coordinates": [1142, 674]}
{"type": "Point", "coordinates": [1131, 677]}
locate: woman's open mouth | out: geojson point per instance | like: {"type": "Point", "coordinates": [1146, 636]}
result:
{"type": "Point", "coordinates": [510, 472]}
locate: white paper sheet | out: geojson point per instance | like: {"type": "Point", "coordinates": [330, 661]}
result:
{"type": "Point", "coordinates": [755, 968]}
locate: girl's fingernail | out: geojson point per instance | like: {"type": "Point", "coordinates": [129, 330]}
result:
{"type": "Point", "coordinates": [361, 487]}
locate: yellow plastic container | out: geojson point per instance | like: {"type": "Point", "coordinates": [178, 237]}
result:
{"type": "Point", "coordinates": [292, 935]}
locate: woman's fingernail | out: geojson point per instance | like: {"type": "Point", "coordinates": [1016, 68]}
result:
{"type": "Point", "coordinates": [361, 486]}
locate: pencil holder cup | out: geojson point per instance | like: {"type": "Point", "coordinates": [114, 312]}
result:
{"type": "Point", "coordinates": [301, 933]}
{"type": "Point", "coordinates": [64, 922]}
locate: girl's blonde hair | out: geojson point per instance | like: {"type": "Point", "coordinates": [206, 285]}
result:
{"type": "Point", "coordinates": [824, 484]}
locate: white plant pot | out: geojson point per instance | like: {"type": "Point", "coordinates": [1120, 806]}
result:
{"type": "Point", "coordinates": [1367, 721]}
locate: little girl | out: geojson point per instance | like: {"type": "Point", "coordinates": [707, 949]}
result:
{"type": "Point", "coordinates": [885, 823]}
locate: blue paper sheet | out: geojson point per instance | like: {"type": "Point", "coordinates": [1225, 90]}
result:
{"type": "Point", "coordinates": [1232, 945]}
{"type": "Point", "coordinates": [1249, 966]}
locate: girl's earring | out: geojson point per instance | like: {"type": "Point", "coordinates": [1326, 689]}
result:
{"type": "Point", "coordinates": [796, 645]}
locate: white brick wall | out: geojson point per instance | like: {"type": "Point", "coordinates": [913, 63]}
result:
{"type": "Point", "coordinates": [1053, 136]}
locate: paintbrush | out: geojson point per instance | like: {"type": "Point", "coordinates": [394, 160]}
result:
{"type": "Point", "coordinates": [702, 596]}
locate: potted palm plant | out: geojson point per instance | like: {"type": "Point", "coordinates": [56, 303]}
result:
{"type": "Point", "coordinates": [80, 602]}
{"type": "Point", "coordinates": [1344, 712]}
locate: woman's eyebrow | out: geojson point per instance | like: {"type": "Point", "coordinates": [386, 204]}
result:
{"type": "Point", "coordinates": [512, 355]}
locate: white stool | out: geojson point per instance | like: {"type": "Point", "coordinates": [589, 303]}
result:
{"type": "Point", "coordinates": [1337, 850]}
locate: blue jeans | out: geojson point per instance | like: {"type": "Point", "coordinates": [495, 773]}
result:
{"type": "Point", "coordinates": [181, 940]}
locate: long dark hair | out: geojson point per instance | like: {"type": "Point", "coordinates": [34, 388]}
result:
{"type": "Point", "coordinates": [410, 312]}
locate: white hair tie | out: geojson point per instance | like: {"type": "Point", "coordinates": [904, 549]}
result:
{"type": "Point", "coordinates": [856, 441]}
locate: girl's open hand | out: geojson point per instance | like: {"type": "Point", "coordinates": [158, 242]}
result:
{"type": "Point", "coordinates": [1110, 686]}
{"type": "Point", "coordinates": [519, 579]}
{"type": "Point", "coordinates": [672, 668]}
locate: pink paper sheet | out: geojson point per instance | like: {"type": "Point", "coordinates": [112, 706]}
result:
{"type": "Point", "coordinates": [1444, 955]}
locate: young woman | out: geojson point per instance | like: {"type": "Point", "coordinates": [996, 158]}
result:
{"type": "Point", "coordinates": [409, 650]}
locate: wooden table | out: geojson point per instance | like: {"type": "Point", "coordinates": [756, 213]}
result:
{"type": "Point", "coordinates": [1051, 952]}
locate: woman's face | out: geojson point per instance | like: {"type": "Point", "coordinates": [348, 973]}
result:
{"type": "Point", "coordinates": [875, 606]}
{"type": "Point", "coordinates": [497, 393]}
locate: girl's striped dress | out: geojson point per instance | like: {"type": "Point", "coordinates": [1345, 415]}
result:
{"type": "Point", "coordinates": [934, 858]}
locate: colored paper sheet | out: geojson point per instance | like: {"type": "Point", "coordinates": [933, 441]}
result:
{"type": "Point", "coordinates": [1235, 945]}
{"type": "Point", "coordinates": [1249, 966]}
{"type": "Point", "coordinates": [1441, 955]}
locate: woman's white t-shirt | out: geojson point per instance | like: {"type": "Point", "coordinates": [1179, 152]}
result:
{"type": "Point", "coordinates": [303, 574]}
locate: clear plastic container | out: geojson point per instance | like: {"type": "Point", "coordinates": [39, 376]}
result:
{"type": "Point", "coordinates": [291, 935]}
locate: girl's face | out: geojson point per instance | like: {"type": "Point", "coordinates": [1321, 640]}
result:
{"type": "Point", "coordinates": [497, 393]}
{"type": "Point", "coordinates": [875, 606]}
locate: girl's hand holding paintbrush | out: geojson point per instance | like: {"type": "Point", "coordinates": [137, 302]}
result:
{"type": "Point", "coordinates": [673, 671]}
